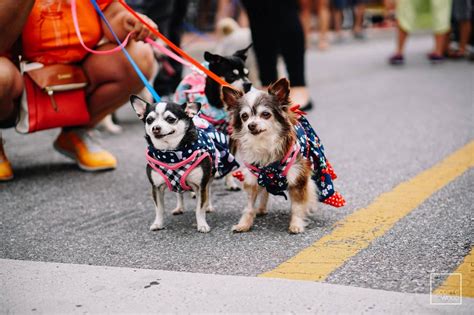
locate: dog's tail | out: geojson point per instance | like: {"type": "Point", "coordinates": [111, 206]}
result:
{"type": "Point", "coordinates": [226, 26]}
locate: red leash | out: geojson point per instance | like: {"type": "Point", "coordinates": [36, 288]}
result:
{"type": "Point", "coordinates": [174, 47]}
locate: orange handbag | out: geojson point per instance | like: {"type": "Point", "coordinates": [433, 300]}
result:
{"type": "Point", "coordinates": [53, 96]}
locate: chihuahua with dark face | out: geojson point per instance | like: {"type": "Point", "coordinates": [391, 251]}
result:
{"type": "Point", "coordinates": [232, 69]}
{"type": "Point", "coordinates": [180, 156]}
{"type": "Point", "coordinates": [282, 153]}
{"type": "Point", "coordinates": [195, 87]}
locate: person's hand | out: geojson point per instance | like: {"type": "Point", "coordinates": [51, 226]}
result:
{"type": "Point", "coordinates": [131, 24]}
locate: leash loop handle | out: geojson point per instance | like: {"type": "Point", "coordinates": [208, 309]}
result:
{"type": "Point", "coordinates": [77, 29]}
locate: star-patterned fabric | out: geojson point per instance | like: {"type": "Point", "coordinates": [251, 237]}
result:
{"type": "Point", "coordinates": [273, 176]}
{"type": "Point", "coordinates": [210, 143]}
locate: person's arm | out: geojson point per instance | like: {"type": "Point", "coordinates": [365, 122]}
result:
{"type": "Point", "coordinates": [13, 15]}
{"type": "Point", "coordinates": [123, 22]}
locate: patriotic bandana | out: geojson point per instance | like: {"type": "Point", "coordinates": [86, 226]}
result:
{"type": "Point", "coordinates": [175, 165]}
{"type": "Point", "coordinates": [273, 176]}
{"type": "Point", "coordinates": [191, 89]}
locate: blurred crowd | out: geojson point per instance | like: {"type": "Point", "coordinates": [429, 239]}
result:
{"type": "Point", "coordinates": [280, 30]}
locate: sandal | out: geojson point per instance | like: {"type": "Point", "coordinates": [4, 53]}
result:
{"type": "Point", "coordinates": [455, 54]}
{"type": "Point", "coordinates": [435, 58]}
{"type": "Point", "coordinates": [396, 60]}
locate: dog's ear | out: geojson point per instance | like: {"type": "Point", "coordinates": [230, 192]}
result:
{"type": "Point", "coordinates": [140, 106]}
{"type": "Point", "coordinates": [230, 97]}
{"type": "Point", "coordinates": [211, 58]}
{"type": "Point", "coordinates": [242, 54]}
{"type": "Point", "coordinates": [191, 108]}
{"type": "Point", "coordinates": [281, 89]}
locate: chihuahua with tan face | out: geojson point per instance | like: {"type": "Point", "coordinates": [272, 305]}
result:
{"type": "Point", "coordinates": [282, 154]}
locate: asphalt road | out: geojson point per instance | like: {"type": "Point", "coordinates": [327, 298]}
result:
{"type": "Point", "coordinates": [380, 126]}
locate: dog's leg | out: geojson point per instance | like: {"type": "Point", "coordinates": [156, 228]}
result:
{"type": "Point", "coordinates": [201, 195]}
{"type": "Point", "coordinates": [209, 206]}
{"type": "Point", "coordinates": [262, 206]}
{"type": "Point", "coordinates": [231, 184]}
{"type": "Point", "coordinates": [248, 215]}
{"type": "Point", "coordinates": [158, 198]}
{"type": "Point", "coordinates": [179, 206]}
{"type": "Point", "coordinates": [301, 197]}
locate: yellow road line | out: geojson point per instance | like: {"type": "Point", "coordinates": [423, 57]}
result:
{"type": "Point", "coordinates": [452, 285]}
{"type": "Point", "coordinates": [359, 229]}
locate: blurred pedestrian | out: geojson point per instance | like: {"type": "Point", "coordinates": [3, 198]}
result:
{"type": "Point", "coordinates": [415, 14]}
{"type": "Point", "coordinates": [276, 29]}
{"type": "Point", "coordinates": [462, 13]}
{"type": "Point", "coordinates": [322, 8]}
{"type": "Point", "coordinates": [48, 38]}
{"type": "Point", "coordinates": [358, 10]}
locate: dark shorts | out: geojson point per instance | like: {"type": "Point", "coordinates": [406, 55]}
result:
{"type": "Point", "coordinates": [462, 10]}
{"type": "Point", "coordinates": [342, 4]}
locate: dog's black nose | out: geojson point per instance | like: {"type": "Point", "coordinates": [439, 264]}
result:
{"type": "Point", "coordinates": [156, 129]}
{"type": "Point", "coordinates": [247, 86]}
{"type": "Point", "coordinates": [252, 126]}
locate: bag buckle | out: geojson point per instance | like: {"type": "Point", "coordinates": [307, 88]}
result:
{"type": "Point", "coordinates": [50, 92]}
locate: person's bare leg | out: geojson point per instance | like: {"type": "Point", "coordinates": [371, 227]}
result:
{"type": "Point", "coordinates": [112, 79]}
{"type": "Point", "coordinates": [439, 43]}
{"type": "Point", "coordinates": [323, 15]}
{"type": "Point", "coordinates": [358, 18]}
{"type": "Point", "coordinates": [464, 33]}
{"type": "Point", "coordinates": [337, 18]}
{"type": "Point", "coordinates": [11, 86]}
{"type": "Point", "coordinates": [305, 17]}
{"type": "Point", "coordinates": [401, 40]}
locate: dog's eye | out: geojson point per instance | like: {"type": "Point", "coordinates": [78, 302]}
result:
{"type": "Point", "coordinates": [246, 71]}
{"type": "Point", "coordinates": [266, 115]}
{"type": "Point", "coordinates": [170, 120]}
{"type": "Point", "coordinates": [150, 120]}
{"type": "Point", "coordinates": [244, 116]}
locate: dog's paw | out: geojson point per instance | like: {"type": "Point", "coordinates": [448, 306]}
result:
{"type": "Point", "coordinates": [231, 184]}
{"type": "Point", "coordinates": [210, 209]}
{"type": "Point", "coordinates": [262, 212]}
{"type": "Point", "coordinates": [296, 229]}
{"type": "Point", "coordinates": [156, 227]}
{"type": "Point", "coordinates": [238, 228]}
{"type": "Point", "coordinates": [177, 211]}
{"type": "Point", "coordinates": [232, 188]}
{"type": "Point", "coordinates": [203, 228]}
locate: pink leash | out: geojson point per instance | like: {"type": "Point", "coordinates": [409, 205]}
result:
{"type": "Point", "coordinates": [78, 33]}
{"type": "Point", "coordinates": [167, 52]}
{"type": "Point", "coordinates": [159, 47]}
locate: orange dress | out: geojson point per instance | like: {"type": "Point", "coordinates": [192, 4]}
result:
{"type": "Point", "coordinates": [49, 36]}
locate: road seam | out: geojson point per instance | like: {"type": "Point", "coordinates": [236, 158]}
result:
{"type": "Point", "coordinates": [359, 229]}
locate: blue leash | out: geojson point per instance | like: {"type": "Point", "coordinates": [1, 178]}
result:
{"type": "Point", "coordinates": [134, 65]}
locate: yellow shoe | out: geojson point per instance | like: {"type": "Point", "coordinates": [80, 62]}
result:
{"type": "Point", "coordinates": [80, 146]}
{"type": "Point", "coordinates": [6, 172]}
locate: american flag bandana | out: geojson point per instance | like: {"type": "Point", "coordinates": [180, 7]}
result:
{"type": "Point", "coordinates": [273, 176]}
{"type": "Point", "coordinates": [175, 165]}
